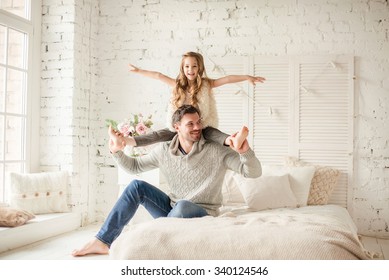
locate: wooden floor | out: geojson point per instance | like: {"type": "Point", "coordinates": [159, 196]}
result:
{"type": "Point", "coordinates": [377, 245]}
{"type": "Point", "coordinates": [60, 247]}
{"type": "Point", "coordinates": [57, 248]}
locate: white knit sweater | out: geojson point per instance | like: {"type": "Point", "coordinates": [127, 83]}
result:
{"type": "Point", "coordinates": [206, 106]}
{"type": "Point", "coordinates": [197, 176]}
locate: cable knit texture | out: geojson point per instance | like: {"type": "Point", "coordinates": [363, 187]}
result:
{"type": "Point", "coordinates": [206, 105]}
{"type": "Point", "coordinates": [197, 176]}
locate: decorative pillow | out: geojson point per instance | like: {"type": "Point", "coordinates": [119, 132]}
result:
{"type": "Point", "coordinates": [299, 178]}
{"type": "Point", "coordinates": [39, 193]}
{"type": "Point", "coordinates": [267, 192]}
{"type": "Point", "coordinates": [230, 190]}
{"type": "Point", "coordinates": [12, 217]}
{"type": "Point", "coordinates": [323, 182]}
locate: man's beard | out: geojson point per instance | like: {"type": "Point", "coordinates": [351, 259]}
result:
{"type": "Point", "coordinates": [195, 135]}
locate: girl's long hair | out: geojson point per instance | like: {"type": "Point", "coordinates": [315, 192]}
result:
{"type": "Point", "coordinates": [182, 83]}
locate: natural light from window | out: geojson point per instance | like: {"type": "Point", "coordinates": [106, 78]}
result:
{"type": "Point", "coordinates": [20, 8]}
{"type": "Point", "coordinates": [15, 32]}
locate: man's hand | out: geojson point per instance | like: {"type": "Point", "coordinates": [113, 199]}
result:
{"type": "Point", "coordinates": [243, 148]}
{"type": "Point", "coordinates": [116, 141]}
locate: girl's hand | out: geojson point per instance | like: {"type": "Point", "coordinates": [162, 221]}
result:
{"type": "Point", "coordinates": [133, 68]}
{"type": "Point", "coordinates": [254, 80]}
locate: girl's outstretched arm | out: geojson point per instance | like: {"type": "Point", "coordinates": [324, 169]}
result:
{"type": "Point", "coordinates": [236, 79]}
{"type": "Point", "coordinates": [154, 75]}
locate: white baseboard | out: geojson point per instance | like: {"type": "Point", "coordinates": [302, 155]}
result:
{"type": "Point", "coordinates": [42, 227]}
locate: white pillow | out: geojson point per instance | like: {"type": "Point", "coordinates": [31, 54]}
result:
{"type": "Point", "coordinates": [267, 192]}
{"type": "Point", "coordinates": [299, 178]}
{"type": "Point", "coordinates": [230, 190]}
{"type": "Point", "coordinates": [40, 193]}
{"type": "Point", "coordinates": [323, 182]}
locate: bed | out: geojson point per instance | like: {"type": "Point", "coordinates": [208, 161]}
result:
{"type": "Point", "coordinates": [272, 217]}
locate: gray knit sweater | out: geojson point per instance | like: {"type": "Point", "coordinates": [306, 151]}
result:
{"type": "Point", "coordinates": [197, 176]}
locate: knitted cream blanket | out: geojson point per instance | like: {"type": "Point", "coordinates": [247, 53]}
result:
{"type": "Point", "coordinates": [307, 233]}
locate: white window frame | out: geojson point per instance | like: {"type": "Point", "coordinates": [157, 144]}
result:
{"type": "Point", "coordinates": [33, 29]}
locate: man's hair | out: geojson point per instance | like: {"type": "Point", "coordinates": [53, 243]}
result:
{"type": "Point", "coordinates": [183, 110]}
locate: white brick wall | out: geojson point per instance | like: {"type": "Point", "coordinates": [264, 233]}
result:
{"type": "Point", "coordinates": [68, 99]}
{"type": "Point", "coordinates": [85, 76]}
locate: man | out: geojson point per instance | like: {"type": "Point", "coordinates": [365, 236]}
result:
{"type": "Point", "coordinates": [194, 168]}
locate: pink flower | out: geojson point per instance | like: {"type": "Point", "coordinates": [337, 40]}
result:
{"type": "Point", "coordinates": [141, 128]}
{"type": "Point", "coordinates": [125, 129]}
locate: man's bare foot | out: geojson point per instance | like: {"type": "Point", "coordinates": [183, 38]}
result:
{"type": "Point", "coordinates": [238, 139]}
{"type": "Point", "coordinates": [93, 247]}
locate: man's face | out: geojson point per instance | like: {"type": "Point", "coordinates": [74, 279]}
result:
{"type": "Point", "coordinates": [190, 127]}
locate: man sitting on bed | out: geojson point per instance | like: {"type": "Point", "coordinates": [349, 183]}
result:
{"type": "Point", "coordinates": [194, 168]}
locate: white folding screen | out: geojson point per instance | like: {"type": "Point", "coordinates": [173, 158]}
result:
{"type": "Point", "coordinates": [232, 103]}
{"type": "Point", "coordinates": [271, 110]}
{"type": "Point", "coordinates": [324, 125]}
{"type": "Point", "coordinates": [304, 109]}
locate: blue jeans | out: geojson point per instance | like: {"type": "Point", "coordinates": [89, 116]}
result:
{"type": "Point", "coordinates": [156, 202]}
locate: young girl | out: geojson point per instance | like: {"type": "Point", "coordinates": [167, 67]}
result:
{"type": "Point", "coordinates": [192, 86]}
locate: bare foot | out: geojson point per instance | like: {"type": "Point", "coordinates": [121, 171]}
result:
{"type": "Point", "coordinates": [238, 139]}
{"type": "Point", "coordinates": [93, 247]}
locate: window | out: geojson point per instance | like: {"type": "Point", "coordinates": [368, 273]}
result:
{"type": "Point", "coordinates": [16, 79]}
{"type": "Point", "coordinates": [20, 8]}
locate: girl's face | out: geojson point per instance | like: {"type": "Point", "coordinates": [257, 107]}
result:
{"type": "Point", "coordinates": [191, 68]}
